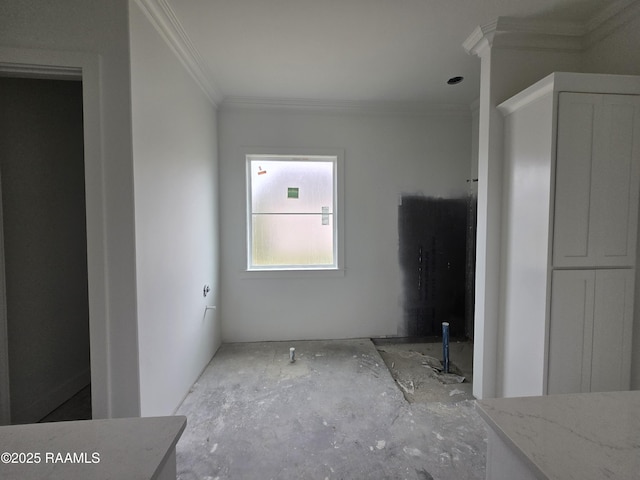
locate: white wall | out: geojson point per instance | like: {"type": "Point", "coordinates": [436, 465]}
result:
{"type": "Point", "coordinates": [99, 28]}
{"type": "Point", "coordinates": [176, 197]}
{"type": "Point", "coordinates": [386, 156]}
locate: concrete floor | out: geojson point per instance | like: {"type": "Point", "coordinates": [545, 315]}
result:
{"type": "Point", "coordinates": [336, 413]}
{"type": "Point", "coordinates": [411, 365]}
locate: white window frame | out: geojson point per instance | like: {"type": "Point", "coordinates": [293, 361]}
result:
{"type": "Point", "coordinates": [338, 212]}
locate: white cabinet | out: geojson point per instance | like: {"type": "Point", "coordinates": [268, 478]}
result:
{"type": "Point", "coordinates": [571, 331]}
{"type": "Point", "coordinates": [590, 330]}
{"type": "Point", "coordinates": [612, 328]}
{"type": "Point", "coordinates": [596, 194]}
{"type": "Point", "coordinates": [571, 195]}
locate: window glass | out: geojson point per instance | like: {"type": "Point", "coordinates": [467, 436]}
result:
{"type": "Point", "coordinates": [291, 186]}
{"type": "Point", "coordinates": [291, 219]}
{"type": "Point", "coordinates": [293, 240]}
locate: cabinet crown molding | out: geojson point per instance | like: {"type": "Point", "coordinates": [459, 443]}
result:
{"type": "Point", "coordinates": [574, 82]}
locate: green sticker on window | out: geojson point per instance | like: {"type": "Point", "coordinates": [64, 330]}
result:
{"type": "Point", "coordinates": [292, 192]}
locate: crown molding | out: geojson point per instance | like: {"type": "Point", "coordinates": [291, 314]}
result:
{"type": "Point", "coordinates": [542, 88]}
{"type": "Point", "coordinates": [609, 20]}
{"type": "Point", "coordinates": [539, 27]}
{"type": "Point", "coordinates": [511, 32]}
{"type": "Point", "coordinates": [611, 11]}
{"type": "Point", "coordinates": [401, 108]}
{"type": "Point", "coordinates": [165, 21]}
{"type": "Point", "coordinates": [504, 32]}
{"type": "Point", "coordinates": [480, 39]}
{"type": "Point", "coordinates": [574, 82]}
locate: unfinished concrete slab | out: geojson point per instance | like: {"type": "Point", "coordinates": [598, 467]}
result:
{"type": "Point", "coordinates": [334, 413]}
{"type": "Point", "coordinates": [416, 368]}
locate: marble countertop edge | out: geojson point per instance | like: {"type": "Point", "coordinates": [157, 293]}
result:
{"type": "Point", "coordinates": [171, 450]}
{"type": "Point", "coordinates": [576, 435]}
{"type": "Point", "coordinates": [504, 436]}
{"type": "Point", "coordinates": [134, 448]}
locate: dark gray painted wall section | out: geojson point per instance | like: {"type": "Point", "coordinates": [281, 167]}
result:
{"type": "Point", "coordinates": [433, 258]}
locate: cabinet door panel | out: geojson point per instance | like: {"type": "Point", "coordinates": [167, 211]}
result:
{"type": "Point", "coordinates": [612, 324]}
{"type": "Point", "coordinates": [571, 331]}
{"type": "Point", "coordinates": [577, 120]}
{"type": "Point", "coordinates": [616, 182]}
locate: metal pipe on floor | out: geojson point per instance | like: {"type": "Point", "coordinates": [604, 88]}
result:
{"type": "Point", "coordinates": [445, 346]}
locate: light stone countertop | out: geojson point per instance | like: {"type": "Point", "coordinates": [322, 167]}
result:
{"type": "Point", "coordinates": [130, 448]}
{"type": "Point", "coordinates": [578, 436]}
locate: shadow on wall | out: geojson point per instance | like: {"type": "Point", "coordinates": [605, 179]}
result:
{"type": "Point", "coordinates": [433, 251]}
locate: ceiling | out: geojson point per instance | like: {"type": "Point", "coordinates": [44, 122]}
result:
{"type": "Point", "coordinates": [350, 50]}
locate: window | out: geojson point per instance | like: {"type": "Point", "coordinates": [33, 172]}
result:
{"type": "Point", "coordinates": [292, 210]}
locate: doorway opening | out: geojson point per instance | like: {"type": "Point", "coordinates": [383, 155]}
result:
{"type": "Point", "coordinates": [44, 243]}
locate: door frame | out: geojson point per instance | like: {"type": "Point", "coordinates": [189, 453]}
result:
{"type": "Point", "coordinates": [26, 63]}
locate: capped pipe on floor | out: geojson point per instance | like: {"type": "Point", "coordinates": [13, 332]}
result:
{"type": "Point", "coordinates": [445, 346]}
{"type": "Point", "coordinates": [292, 354]}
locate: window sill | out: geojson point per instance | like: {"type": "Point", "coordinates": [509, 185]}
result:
{"type": "Point", "coordinates": [302, 273]}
